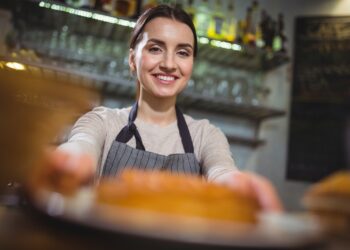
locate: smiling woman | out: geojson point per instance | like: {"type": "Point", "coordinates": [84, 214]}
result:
{"type": "Point", "coordinates": [153, 134]}
{"type": "Point", "coordinates": [163, 59]}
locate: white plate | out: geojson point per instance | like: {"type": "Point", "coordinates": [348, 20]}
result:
{"type": "Point", "coordinates": [273, 231]}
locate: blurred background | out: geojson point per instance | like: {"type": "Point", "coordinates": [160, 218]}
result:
{"type": "Point", "coordinates": [273, 75]}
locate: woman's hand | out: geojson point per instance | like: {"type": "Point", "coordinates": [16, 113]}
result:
{"type": "Point", "coordinates": [254, 185]}
{"type": "Point", "coordinates": [63, 171]}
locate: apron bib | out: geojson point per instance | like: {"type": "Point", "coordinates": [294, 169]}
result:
{"type": "Point", "coordinates": [122, 156]}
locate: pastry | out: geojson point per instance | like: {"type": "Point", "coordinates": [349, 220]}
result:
{"type": "Point", "coordinates": [329, 200]}
{"type": "Point", "coordinates": [180, 195]}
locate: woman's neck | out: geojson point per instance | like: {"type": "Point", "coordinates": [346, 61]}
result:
{"type": "Point", "coordinates": [157, 111]}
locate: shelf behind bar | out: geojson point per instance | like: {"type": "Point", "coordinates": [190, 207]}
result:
{"type": "Point", "coordinates": [246, 57]}
{"type": "Point", "coordinates": [245, 141]}
{"type": "Point", "coordinates": [228, 107]}
{"type": "Point", "coordinates": [117, 87]}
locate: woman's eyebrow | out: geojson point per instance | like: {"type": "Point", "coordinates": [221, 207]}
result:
{"type": "Point", "coordinates": [162, 43]}
{"type": "Point", "coordinates": [184, 45]}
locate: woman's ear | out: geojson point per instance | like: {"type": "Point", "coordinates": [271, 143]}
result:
{"type": "Point", "coordinates": [132, 60]}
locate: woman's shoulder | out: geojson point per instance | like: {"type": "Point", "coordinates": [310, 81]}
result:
{"type": "Point", "coordinates": [203, 125]}
{"type": "Point", "coordinates": [204, 133]}
{"type": "Point", "coordinates": [107, 116]}
{"type": "Point", "coordinates": [107, 112]}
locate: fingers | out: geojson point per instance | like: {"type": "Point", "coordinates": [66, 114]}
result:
{"type": "Point", "coordinates": [80, 166]}
{"type": "Point", "coordinates": [265, 193]}
{"type": "Point", "coordinates": [256, 186]}
{"type": "Point", "coordinates": [240, 182]}
{"type": "Point", "coordinates": [64, 172]}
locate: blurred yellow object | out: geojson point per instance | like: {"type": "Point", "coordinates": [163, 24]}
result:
{"type": "Point", "coordinates": [15, 65]}
{"type": "Point", "coordinates": [35, 105]}
{"type": "Point", "coordinates": [331, 193]}
{"type": "Point", "coordinates": [329, 200]}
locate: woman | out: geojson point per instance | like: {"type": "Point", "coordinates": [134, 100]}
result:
{"type": "Point", "coordinates": [153, 133]}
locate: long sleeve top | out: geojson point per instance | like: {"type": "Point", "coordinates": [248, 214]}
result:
{"type": "Point", "coordinates": [95, 131]}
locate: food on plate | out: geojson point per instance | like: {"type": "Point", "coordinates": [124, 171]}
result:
{"type": "Point", "coordinates": [329, 200]}
{"type": "Point", "coordinates": [177, 195]}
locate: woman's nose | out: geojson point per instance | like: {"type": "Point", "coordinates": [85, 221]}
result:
{"type": "Point", "coordinates": [168, 62]}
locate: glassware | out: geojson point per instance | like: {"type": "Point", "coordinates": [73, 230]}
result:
{"type": "Point", "coordinates": [223, 84]}
{"type": "Point", "coordinates": [111, 69]}
{"type": "Point", "coordinates": [222, 89]}
{"type": "Point", "coordinates": [190, 88]}
{"type": "Point", "coordinates": [238, 90]}
{"type": "Point", "coordinates": [198, 73]}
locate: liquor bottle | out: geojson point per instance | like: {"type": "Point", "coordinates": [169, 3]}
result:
{"type": "Point", "coordinates": [98, 5]}
{"type": "Point", "coordinates": [215, 29]}
{"type": "Point", "coordinates": [254, 17]}
{"type": "Point", "coordinates": [240, 31]}
{"type": "Point", "coordinates": [266, 29]}
{"type": "Point", "coordinates": [230, 23]}
{"type": "Point", "coordinates": [202, 17]}
{"type": "Point", "coordinates": [248, 35]}
{"type": "Point", "coordinates": [271, 33]}
{"type": "Point", "coordinates": [102, 5]}
{"type": "Point", "coordinates": [121, 8]}
{"type": "Point", "coordinates": [105, 6]}
{"type": "Point", "coordinates": [280, 44]}
{"type": "Point", "coordinates": [8, 33]}
{"type": "Point", "coordinates": [125, 8]}
{"type": "Point", "coordinates": [277, 39]}
{"type": "Point", "coordinates": [259, 37]}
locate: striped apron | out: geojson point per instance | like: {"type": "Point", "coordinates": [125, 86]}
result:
{"type": "Point", "coordinates": [121, 156]}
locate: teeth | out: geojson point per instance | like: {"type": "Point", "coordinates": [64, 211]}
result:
{"type": "Point", "coordinates": [166, 78]}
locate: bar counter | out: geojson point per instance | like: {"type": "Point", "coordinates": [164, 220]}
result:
{"type": "Point", "coordinates": [21, 227]}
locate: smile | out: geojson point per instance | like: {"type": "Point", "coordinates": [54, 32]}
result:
{"type": "Point", "coordinates": [166, 78]}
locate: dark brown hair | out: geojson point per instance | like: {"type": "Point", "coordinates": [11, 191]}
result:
{"type": "Point", "coordinates": [162, 11]}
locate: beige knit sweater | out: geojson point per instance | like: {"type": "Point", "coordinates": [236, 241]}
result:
{"type": "Point", "coordinates": [95, 131]}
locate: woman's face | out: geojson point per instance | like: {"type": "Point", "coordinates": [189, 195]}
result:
{"type": "Point", "coordinates": [163, 59]}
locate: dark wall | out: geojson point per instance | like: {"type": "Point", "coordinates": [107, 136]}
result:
{"type": "Point", "coordinates": [318, 137]}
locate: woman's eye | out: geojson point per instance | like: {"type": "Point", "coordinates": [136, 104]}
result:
{"type": "Point", "coordinates": [154, 49]}
{"type": "Point", "coordinates": [184, 53]}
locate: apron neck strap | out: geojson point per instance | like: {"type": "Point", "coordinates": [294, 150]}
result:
{"type": "Point", "coordinates": [130, 130]}
{"type": "Point", "coordinates": [133, 113]}
{"type": "Point", "coordinates": [184, 132]}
